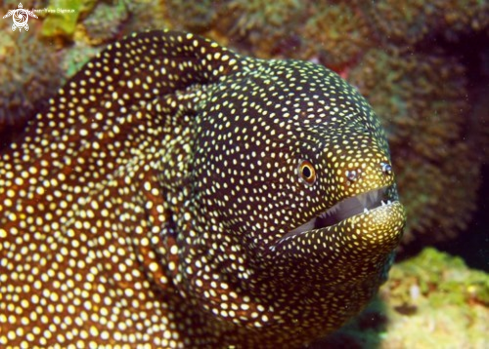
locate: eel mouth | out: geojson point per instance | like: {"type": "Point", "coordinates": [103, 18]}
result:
{"type": "Point", "coordinates": [344, 209]}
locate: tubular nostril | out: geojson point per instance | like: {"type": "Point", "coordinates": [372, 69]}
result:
{"type": "Point", "coordinates": [386, 168]}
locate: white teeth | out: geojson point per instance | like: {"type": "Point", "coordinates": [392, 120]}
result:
{"type": "Point", "coordinates": [382, 202]}
{"type": "Point", "coordinates": [362, 199]}
{"type": "Point", "coordinates": [377, 195]}
{"type": "Point", "coordinates": [365, 210]}
{"type": "Point", "coordinates": [389, 202]}
{"type": "Point", "coordinates": [334, 209]}
{"type": "Point", "coordinates": [331, 211]}
{"type": "Point", "coordinates": [304, 227]}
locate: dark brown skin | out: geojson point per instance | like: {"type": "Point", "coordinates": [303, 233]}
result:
{"type": "Point", "coordinates": [170, 194]}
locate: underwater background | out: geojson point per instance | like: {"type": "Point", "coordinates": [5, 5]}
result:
{"type": "Point", "coordinates": [424, 67]}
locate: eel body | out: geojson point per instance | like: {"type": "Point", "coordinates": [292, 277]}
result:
{"type": "Point", "coordinates": [175, 194]}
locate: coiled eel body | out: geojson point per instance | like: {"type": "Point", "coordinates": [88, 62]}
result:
{"type": "Point", "coordinates": [176, 194]}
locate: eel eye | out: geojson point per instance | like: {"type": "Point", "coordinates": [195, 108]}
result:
{"type": "Point", "coordinates": [307, 173]}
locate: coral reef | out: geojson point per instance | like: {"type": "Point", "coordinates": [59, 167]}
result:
{"type": "Point", "coordinates": [438, 278]}
{"type": "Point", "coordinates": [29, 74]}
{"type": "Point", "coordinates": [336, 34]}
{"type": "Point", "coordinates": [422, 101]}
{"type": "Point", "coordinates": [432, 300]}
{"type": "Point", "coordinates": [147, 14]}
{"type": "Point", "coordinates": [437, 292]}
{"type": "Point", "coordinates": [105, 21]}
{"type": "Point", "coordinates": [413, 21]}
{"type": "Point", "coordinates": [99, 22]}
{"type": "Point", "coordinates": [196, 16]}
{"type": "Point", "coordinates": [258, 26]}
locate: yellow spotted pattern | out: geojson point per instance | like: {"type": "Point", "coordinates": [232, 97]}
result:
{"type": "Point", "coordinates": [147, 204]}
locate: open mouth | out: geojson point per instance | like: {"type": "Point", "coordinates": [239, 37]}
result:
{"type": "Point", "coordinates": [344, 209]}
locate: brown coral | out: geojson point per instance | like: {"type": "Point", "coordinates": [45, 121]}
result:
{"type": "Point", "coordinates": [147, 14]}
{"type": "Point", "coordinates": [336, 34]}
{"type": "Point", "coordinates": [422, 101]}
{"type": "Point", "coordinates": [413, 21]}
{"type": "Point", "coordinates": [259, 26]}
{"type": "Point", "coordinates": [105, 21]}
{"type": "Point", "coordinates": [194, 16]}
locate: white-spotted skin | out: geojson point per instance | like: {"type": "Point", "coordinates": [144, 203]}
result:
{"type": "Point", "coordinates": [147, 204]}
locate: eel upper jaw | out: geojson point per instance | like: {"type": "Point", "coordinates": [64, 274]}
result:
{"type": "Point", "coordinates": [344, 209]}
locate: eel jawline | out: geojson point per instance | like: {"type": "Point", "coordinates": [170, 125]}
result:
{"type": "Point", "coordinates": [344, 209]}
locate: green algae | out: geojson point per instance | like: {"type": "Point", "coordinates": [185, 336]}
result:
{"type": "Point", "coordinates": [58, 23]}
{"type": "Point", "coordinates": [442, 278]}
{"type": "Point", "coordinates": [430, 301]}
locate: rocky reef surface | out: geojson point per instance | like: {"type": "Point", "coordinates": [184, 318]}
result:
{"type": "Point", "coordinates": [431, 301]}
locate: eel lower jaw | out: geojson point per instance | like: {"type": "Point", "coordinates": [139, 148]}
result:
{"type": "Point", "coordinates": [347, 208]}
{"type": "Point", "coordinates": [349, 243]}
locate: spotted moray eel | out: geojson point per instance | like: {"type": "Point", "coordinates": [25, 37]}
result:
{"type": "Point", "coordinates": [175, 194]}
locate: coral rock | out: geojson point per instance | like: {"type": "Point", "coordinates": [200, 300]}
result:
{"type": "Point", "coordinates": [422, 102]}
